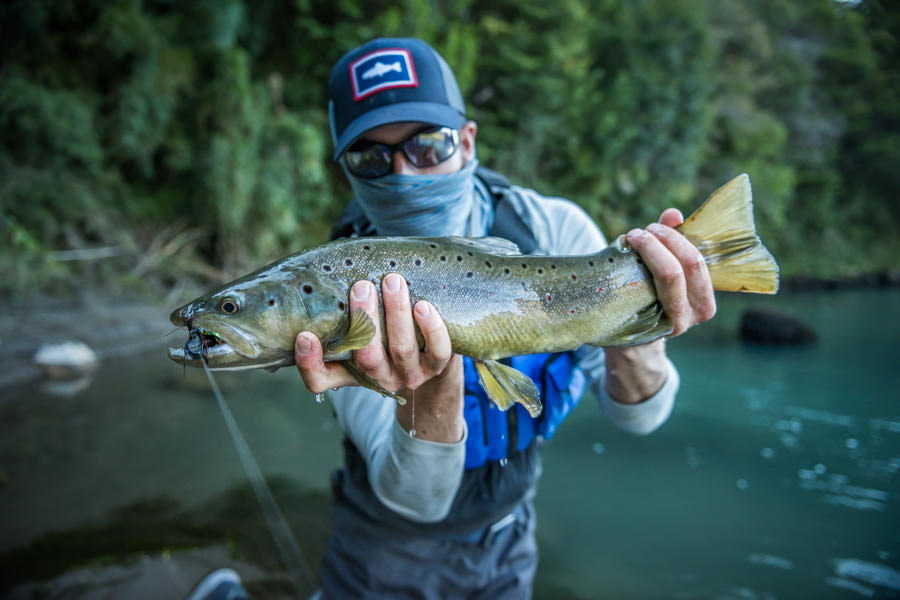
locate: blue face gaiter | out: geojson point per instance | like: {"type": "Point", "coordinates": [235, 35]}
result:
{"type": "Point", "coordinates": [423, 205]}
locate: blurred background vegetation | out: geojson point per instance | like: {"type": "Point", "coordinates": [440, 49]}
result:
{"type": "Point", "coordinates": [152, 142]}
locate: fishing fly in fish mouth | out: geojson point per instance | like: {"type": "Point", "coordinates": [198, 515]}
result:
{"type": "Point", "coordinates": [495, 302]}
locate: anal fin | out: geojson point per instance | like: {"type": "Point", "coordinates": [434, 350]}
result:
{"type": "Point", "coordinates": [367, 382]}
{"type": "Point", "coordinates": [505, 386]}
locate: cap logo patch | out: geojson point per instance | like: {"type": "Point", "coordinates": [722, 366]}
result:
{"type": "Point", "coordinates": [382, 70]}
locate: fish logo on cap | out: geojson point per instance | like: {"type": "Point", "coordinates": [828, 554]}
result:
{"type": "Point", "coordinates": [382, 70]}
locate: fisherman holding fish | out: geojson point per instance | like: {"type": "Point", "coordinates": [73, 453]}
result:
{"type": "Point", "coordinates": [472, 330]}
{"type": "Point", "coordinates": [435, 498]}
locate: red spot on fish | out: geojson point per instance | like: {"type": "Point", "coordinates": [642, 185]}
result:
{"type": "Point", "coordinates": [599, 290]}
{"type": "Point", "coordinates": [549, 298]}
{"type": "Point", "coordinates": [571, 311]}
{"type": "Point", "coordinates": [632, 284]}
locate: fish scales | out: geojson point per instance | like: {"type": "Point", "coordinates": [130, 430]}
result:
{"type": "Point", "coordinates": [497, 306]}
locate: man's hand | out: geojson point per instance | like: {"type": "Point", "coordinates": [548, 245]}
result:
{"type": "Point", "coordinates": [682, 280]}
{"type": "Point", "coordinates": [685, 291]}
{"type": "Point", "coordinates": [433, 375]}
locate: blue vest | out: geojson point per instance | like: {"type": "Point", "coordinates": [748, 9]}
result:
{"type": "Point", "coordinates": [495, 434]}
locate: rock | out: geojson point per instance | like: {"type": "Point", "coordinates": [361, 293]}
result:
{"type": "Point", "coordinates": [772, 327]}
{"type": "Point", "coordinates": [65, 360]}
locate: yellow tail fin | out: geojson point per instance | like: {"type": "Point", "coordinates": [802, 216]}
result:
{"type": "Point", "coordinates": [724, 232]}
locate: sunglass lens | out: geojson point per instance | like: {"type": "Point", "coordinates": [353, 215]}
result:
{"type": "Point", "coordinates": [371, 160]}
{"type": "Point", "coordinates": [430, 148]}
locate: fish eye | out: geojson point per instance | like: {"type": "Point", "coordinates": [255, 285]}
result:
{"type": "Point", "coordinates": [229, 306]}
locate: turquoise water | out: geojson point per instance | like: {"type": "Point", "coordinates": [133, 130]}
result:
{"type": "Point", "coordinates": [776, 477]}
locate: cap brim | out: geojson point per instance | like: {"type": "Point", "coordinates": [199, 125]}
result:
{"type": "Point", "coordinates": [401, 112]}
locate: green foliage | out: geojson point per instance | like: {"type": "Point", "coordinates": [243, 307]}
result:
{"type": "Point", "coordinates": [160, 128]}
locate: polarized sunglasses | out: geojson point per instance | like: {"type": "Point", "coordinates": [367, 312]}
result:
{"type": "Point", "coordinates": [423, 149]}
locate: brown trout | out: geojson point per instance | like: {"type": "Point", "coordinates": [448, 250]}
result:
{"type": "Point", "coordinates": [495, 301]}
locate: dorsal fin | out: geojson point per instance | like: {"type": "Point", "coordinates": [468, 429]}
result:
{"type": "Point", "coordinates": [494, 245]}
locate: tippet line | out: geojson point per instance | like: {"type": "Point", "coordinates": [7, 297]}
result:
{"type": "Point", "coordinates": [285, 542]}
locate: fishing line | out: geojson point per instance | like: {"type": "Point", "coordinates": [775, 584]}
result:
{"type": "Point", "coordinates": [412, 428]}
{"type": "Point", "coordinates": [288, 549]}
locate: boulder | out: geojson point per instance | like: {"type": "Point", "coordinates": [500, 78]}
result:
{"type": "Point", "coordinates": [773, 327]}
{"type": "Point", "coordinates": [65, 360]}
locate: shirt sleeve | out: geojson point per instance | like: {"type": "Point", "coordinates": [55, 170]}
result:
{"type": "Point", "coordinates": [562, 227]}
{"type": "Point", "coordinates": [641, 418]}
{"type": "Point", "coordinates": [415, 478]}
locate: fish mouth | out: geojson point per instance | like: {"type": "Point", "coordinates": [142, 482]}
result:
{"type": "Point", "coordinates": [202, 345]}
{"type": "Point", "coordinates": [213, 349]}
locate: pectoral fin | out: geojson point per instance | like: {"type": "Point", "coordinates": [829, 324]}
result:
{"type": "Point", "coordinates": [367, 382]}
{"type": "Point", "coordinates": [505, 385]}
{"type": "Point", "coordinates": [360, 332]}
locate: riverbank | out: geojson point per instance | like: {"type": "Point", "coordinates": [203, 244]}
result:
{"type": "Point", "coordinates": [112, 325]}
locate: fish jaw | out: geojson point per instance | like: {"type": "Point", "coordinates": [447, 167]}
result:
{"type": "Point", "coordinates": [222, 345]}
{"type": "Point", "coordinates": [220, 354]}
{"type": "Point", "coordinates": [222, 357]}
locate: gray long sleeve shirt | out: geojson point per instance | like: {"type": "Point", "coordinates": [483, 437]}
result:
{"type": "Point", "coordinates": [418, 479]}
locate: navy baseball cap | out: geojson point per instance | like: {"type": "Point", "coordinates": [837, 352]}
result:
{"type": "Point", "coordinates": [391, 80]}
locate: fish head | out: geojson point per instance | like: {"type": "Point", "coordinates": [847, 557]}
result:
{"type": "Point", "coordinates": [253, 322]}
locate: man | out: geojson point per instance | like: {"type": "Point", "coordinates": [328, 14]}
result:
{"type": "Point", "coordinates": [435, 498]}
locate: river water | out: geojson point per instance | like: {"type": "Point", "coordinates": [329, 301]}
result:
{"type": "Point", "coordinates": [776, 476]}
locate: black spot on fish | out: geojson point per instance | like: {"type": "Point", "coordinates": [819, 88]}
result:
{"type": "Point", "coordinates": [307, 289]}
{"type": "Point", "coordinates": [540, 271]}
{"type": "Point", "coordinates": [524, 266]}
{"type": "Point", "coordinates": [488, 264]}
{"type": "Point", "coordinates": [444, 259]}
{"type": "Point", "coordinates": [367, 247]}
{"type": "Point", "coordinates": [610, 259]}
{"type": "Point", "coordinates": [271, 302]}
{"type": "Point", "coordinates": [341, 305]}
{"type": "Point", "coordinates": [418, 262]}
{"type": "Point", "coordinates": [506, 271]}
{"type": "Point", "coordinates": [552, 266]}
{"type": "Point", "coordinates": [574, 278]}
{"type": "Point", "coordinates": [433, 245]}
{"type": "Point", "coordinates": [639, 260]}
{"type": "Point", "coordinates": [393, 263]}
{"type": "Point", "coordinates": [348, 262]}
{"type": "Point", "coordinates": [458, 258]}
{"type": "Point", "coordinates": [326, 267]}
{"type": "Point", "coordinates": [469, 253]}
{"type": "Point", "coordinates": [469, 274]}
{"type": "Point", "coordinates": [590, 263]}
